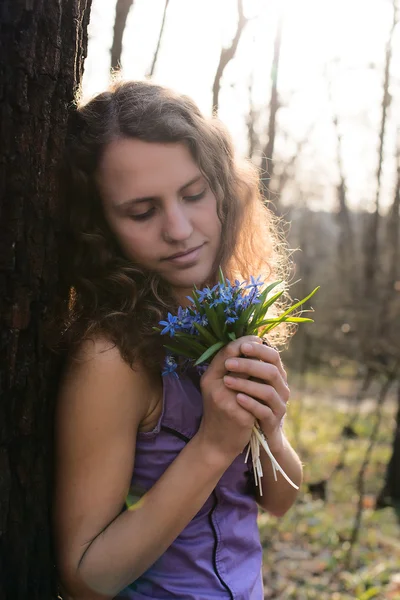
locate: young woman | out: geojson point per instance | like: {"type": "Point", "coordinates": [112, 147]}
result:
{"type": "Point", "coordinates": [157, 201]}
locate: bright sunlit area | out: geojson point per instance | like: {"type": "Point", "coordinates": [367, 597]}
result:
{"type": "Point", "coordinates": [331, 64]}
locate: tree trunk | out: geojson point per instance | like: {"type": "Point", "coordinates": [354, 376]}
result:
{"type": "Point", "coordinates": [372, 225]}
{"type": "Point", "coordinates": [155, 57]}
{"type": "Point", "coordinates": [42, 48]}
{"type": "Point", "coordinates": [390, 492]}
{"type": "Point", "coordinates": [226, 55]}
{"type": "Point", "coordinates": [121, 14]}
{"type": "Point", "coordinates": [267, 165]}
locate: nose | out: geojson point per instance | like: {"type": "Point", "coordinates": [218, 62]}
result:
{"type": "Point", "coordinates": [177, 226]}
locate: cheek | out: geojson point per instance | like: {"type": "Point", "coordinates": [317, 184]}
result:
{"type": "Point", "coordinates": [211, 222]}
{"type": "Point", "coordinates": [135, 241]}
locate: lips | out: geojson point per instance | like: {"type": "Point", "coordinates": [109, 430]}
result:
{"type": "Point", "coordinates": [179, 254]}
{"type": "Point", "coordinates": [185, 259]}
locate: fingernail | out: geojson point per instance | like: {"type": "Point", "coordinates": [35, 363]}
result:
{"type": "Point", "coordinates": [231, 363]}
{"type": "Point", "coordinates": [247, 347]}
{"type": "Point", "coordinates": [229, 380]}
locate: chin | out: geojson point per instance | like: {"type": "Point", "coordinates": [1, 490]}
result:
{"type": "Point", "coordinates": [187, 278]}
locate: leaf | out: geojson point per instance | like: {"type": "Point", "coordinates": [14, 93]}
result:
{"type": "Point", "coordinates": [371, 592]}
{"type": "Point", "coordinates": [288, 311]}
{"type": "Point", "coordinates": [232, 336]}
{"type": "Point", "coordinates": [214, 321]}
{"type": "Point", "coordinates": [244, 317]}
{"type": "Point", "coordinates": [196, 301]}
{"type": "Point", "coordinates": [191, 342]}
{"type": "Point", "coordinates": [210, 352]}
{"type": "Point", "coordinates": [205, 333]}
{"type": "Point", "coordinates": [263, 296]}
{"type": "Point", "coordinates": [180, 351]}
{"type": "Point", "coordinates": [264, 307]}
{"type": "Point", "coordinates": [280, 320]}
{"type": "Point", "coordinates": [221, 277]}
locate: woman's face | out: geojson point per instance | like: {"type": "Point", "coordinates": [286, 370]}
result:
{"type": "Point", "coordinates": [161, 209]}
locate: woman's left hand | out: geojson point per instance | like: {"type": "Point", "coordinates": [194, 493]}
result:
{"type": "Point", "coordinates": [265, 398]}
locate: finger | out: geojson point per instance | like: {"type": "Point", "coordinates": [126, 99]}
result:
{"type": "Point", "coordinates": [265, 353]}
{"type": "Point", "coordinates": [217, 367]}
{"type": "Point", "coordinates": [265, 394]}
{"type": "Point", "coordinates": [261, 370]}
{"type": "Point", "coordinates": [259, 411]}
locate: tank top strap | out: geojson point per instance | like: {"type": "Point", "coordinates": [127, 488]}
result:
{"type": "Point", "coordinates": [182, 406]}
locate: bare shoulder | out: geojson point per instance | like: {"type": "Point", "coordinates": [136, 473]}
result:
{"type": "Point", "coordinates": [98, 376]}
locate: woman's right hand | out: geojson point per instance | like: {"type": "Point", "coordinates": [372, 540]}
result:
{"type": "Point", "coordinates": [225, 427]}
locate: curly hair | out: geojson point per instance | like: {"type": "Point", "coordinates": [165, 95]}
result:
{"type": "Point", "coordinates": [111, 296]}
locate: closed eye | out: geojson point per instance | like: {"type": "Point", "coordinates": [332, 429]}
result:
{"type": "Point", "coordinates": [149, 213]}
{"type": "Point", "coordinates": [143, 216]}
{"type": "Point", "coordinates": [196, 197]}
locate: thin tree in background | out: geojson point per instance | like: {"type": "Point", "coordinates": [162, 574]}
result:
{"type": "Point", "coordinates": [121, 15]}
{"type": "Point", "coordinates": [226, 55]}
{"type": "Point", "coordinates": [42, 49]}
{"type": "Point", "coordinates": [346, 246]}
{"type": "Point", "coordinates": [390, 313]}
{"type": "Point", "coordinates": [267, 165]}
{"type": "Point", "coordinates": [251, 120]}
{"type": "Point", "coordinates": [372, 223]}
{"type": "Point", "coordinates": [155, 57]}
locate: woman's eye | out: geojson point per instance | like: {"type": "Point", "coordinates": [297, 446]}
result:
{"type": "Point", "coordinates": [143, 216]}
{"type": "Point", "coordinates": [196, 197]}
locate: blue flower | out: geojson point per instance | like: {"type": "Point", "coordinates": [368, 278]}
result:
{"type": "Point", "coordinates": [170, 325]}
{"type": "Point", "coordinates": [205, 294]}
{"type": "Point", "coordinates": [170, 366]}
{"type": "Point", "coordinates": [230, 320]}
{"type": "Point", "coordinates": [254, 282]}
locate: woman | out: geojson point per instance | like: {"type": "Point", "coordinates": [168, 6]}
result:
{"type": "Point", "coordinates": [157, 201]}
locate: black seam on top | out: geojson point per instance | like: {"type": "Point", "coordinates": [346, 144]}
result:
{"type": "Point", "coordinates": [215, 547]}
{"type": "Point", "coordinates": [225, 585]}
{"type": "Point", "coordinates": [177, 434]}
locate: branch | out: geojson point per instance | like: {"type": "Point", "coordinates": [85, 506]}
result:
{"type": "Point", "coordinates": [155, 57]}
{"type": "Point", "coordinates": [267, 165]}
{"type": "Point", "coordinates": [227, 54]}
{"type": "Point", "coordinates": [121, 15]}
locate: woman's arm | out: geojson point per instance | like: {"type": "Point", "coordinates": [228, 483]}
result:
{"type": "Point", "coordinates": [262, 389]}
{"type": "Point", "coordinates": [101, 550]}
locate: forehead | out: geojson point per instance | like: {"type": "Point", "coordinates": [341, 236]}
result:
{"type": "Point", "coordinates": [132, 167]}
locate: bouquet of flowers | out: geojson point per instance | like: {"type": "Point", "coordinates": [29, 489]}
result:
{"type": "Point", "coordinates": [218, 316]}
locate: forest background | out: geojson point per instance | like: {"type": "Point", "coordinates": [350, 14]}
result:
{"type": "Point", "coordinates": [310, 92]}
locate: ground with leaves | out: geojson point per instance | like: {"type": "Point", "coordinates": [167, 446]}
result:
{"type": "Point", "coordinates": [305, 552]}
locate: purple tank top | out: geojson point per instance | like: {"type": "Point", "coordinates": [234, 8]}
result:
{"type": "Point", "coordinates": [218, 554]}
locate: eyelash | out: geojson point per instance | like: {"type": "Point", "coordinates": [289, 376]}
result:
{"type": "Point", "coordinates": [148, 214]}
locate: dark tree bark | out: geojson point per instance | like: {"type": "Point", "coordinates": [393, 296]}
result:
{"type": "Point", "coordinates": [42, 48]}
{"type": "Point", "coordinates": [390, 492]}
{"type": "Point", "coordinates": [372, 224]}
{"type": "Point", "coordinates": [155, 57]}
{"type": "Point", "coordinates": [121, 14]}
{"type": "Point", "coordinates": [267, 165]}
{"type": "Point", "coordinates": [226, 55]}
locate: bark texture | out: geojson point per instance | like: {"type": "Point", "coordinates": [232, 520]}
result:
{"type": "Point", "coordinates": [121, 15]}
{"type": "Point", "coordinates": [42, 48]}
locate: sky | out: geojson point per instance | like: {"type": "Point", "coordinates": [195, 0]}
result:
{"type": "Point", "coordinates": [326, 44]}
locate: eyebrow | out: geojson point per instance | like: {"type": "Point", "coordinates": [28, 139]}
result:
{"type": "Point", "coordinates": [134, 201]}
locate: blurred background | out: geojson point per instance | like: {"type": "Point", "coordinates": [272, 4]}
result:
{"type": "Point", "coordinates": [310, 92]}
